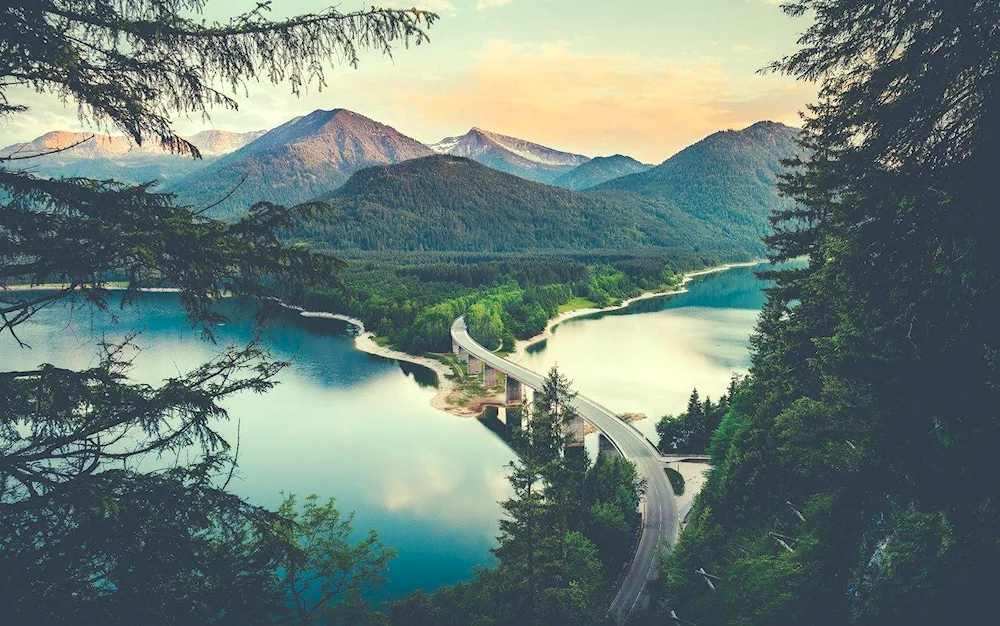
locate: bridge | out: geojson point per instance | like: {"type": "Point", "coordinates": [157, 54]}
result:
{"type": "Point", "coordinates": [659, 510]}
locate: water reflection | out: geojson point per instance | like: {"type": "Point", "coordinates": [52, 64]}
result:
{"type": "Point", "coordinates": [423, 376]}
{"type": "Point", "coordinates": [647, 357]}
{"type": "Point", "coordinates": [341, 423]}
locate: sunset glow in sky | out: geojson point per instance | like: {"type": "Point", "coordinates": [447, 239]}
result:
{"type": "Point", "coordinates": [596, 77]}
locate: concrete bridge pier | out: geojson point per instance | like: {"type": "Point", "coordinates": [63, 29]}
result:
{"type": "Point", "coordinates": [607, 448]}
{"type": "Point", "coordinates": [490, 377]}
{"type": "Point", "coordinates": [515, 391]}
{"type": "Point", "coordinates": [463, 355]}
{"type": "Point", "coordinates": [475, 364]}
{"type": "Point", "coordinates": [574, 427]}
{"type": "Point", "coordinates": [455, 348]}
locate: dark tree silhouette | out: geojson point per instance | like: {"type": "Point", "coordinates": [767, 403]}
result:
{"type": "Point", "coordinates": [85, 536]}
{"type": "Point", "coordinates": [854, 470]}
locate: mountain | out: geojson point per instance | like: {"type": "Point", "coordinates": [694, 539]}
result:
{"type": "Point", "coordinates": [509, 154]}
{"type": "Point", "coordinates": [118, 157]}
{"type": "Point", "coordinates": [213, 143]}
{"type": "Point", "coordinates": [599, 170]}
{"type": "Point", "coordinates": [300, 160]}
{"type": "Point", "coordinates": [447, 203]}
{"type": "Point", "coordinates": [726, 180]}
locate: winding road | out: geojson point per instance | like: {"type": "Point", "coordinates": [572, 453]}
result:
{"type": "Point", "coordinates": [659, 510]}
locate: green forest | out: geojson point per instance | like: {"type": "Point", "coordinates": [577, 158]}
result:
{"type": "Point", "coordinates": [412, 300]}
{"type": "Point", "coordinates": [565, 537]}
{"type": "Point", "coordinates": [851, 481]}
{"type": "Point", "coordinates": [445, 203]}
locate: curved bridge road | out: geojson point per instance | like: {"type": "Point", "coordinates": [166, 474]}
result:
{"type": "Point", "coordinates": [659, 510]}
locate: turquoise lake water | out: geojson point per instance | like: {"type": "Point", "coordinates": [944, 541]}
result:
{"type": "Point", "coordinates": [347, 424]}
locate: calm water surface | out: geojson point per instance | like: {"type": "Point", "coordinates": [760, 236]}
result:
{"type": "Point", "coordinates": [341, 423]}
{"type": "Point", "coordinates": [648, 357]}
{"type": "Point", "coordinates": [347, 424]}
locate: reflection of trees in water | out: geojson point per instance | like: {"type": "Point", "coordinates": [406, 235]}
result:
{"type": "Point", "coordinates": [425, 376]}
{"type": "Point", "coordinates": [537, 346]}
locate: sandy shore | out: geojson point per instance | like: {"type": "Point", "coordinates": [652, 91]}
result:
{"type": "Point", "coordinates": [366, 343]}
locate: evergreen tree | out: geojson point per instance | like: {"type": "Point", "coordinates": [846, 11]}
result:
{"type": "Point", "coordinates": [539, 549]}
{"type": "Point", "coordinates": [694, 407]}
{"type": "Point", "coordinates": [86, 534]}
{"type": "Point", "coordinates": [863, 439]}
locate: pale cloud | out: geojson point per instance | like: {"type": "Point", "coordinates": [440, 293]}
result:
{"type": "Point", "coordinates": [486, 4]}
{"type": "Point", "coordinates": [595, 104]}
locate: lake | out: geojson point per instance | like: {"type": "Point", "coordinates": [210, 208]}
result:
{"type": "Point", "coordinates": [341, 423]}
{"type": "Point", "coordinates": [347, 424]}
{"type": "Point", "coordinates": [646, 358]}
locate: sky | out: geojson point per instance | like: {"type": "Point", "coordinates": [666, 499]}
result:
{"type": "Point", "coordinates": [597, 77]}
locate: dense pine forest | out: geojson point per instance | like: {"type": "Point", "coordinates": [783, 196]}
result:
{"type": "Point", "coordinates": [853, 481]}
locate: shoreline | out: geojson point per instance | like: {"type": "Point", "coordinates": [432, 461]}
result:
{"type": "Point", "coordinates": [446, 385]}
{"type": "Point", "coordinates": [522, 345]}
{"type": "Point", "coordinates": [365, 339]}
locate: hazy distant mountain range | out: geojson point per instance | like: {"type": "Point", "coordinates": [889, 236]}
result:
{"type": "Point", "coordinates": [478, 192]}
{"type": "Point", "coordinates": [102, 156]}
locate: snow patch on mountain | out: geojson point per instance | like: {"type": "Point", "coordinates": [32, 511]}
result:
{"type": "Point", "coordinates": [510, 154]}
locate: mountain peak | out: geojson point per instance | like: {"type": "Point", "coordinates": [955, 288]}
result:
{"type": "Point", "coordinates": [726, 179]}
{"type": "Point", "coordinates": [510, 154]}
{"type": "Point", "coordinates": [306, 157]}
{"type": "Point", "coordinates": [599, 170]}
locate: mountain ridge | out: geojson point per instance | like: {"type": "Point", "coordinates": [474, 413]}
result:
{"type": "Point", "coordinates": [512, 155]}
{"type": "Point", "coordinates": [728, 179]}
{"type": "Point", "coordinates": [302, 159]}
{"type": "Point", "coordinates": [599, 170]}
{"type": "Point", "coordinates": [100, 145]}
{"type": "Point", "coordinates": [449, 203]}
{"type": "Point", "coordinates": [61, 153]}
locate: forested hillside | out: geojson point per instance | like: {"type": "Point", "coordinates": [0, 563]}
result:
{"type": "Point", "coordinates": [727, 180]}
{"type": "Point", "coordinates": [599, 170]}
{"type": "Point", "coordinates": [854, 477]}
{"type": "Point", "coordinates": [412, 299]}
{"type": "Point", "coordinates": [451, 203]}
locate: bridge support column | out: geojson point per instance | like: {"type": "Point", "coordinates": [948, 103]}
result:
{"type": "Point", "coordinates": [475, 365]}
{"type": "Point", "coordinates": [607, 448]}
{"type": "Point", "coordinates": [489, 377]}
{"type": "Point", "coordinates": [575, 430]}
{"type": "Point", "coordinates": [515, 392]}
{"type": "Point", "coordinates": [463, 355]}
{"type": "Point", "coordinates": [454, 347]}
